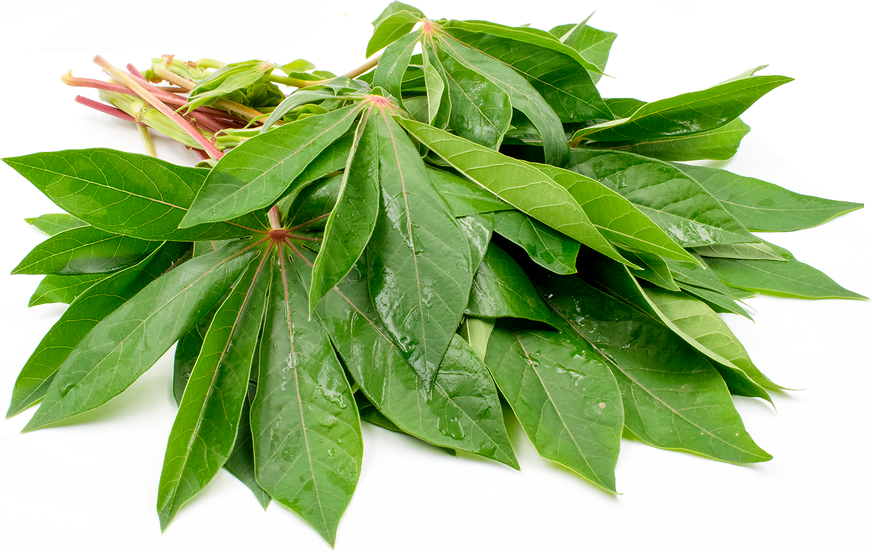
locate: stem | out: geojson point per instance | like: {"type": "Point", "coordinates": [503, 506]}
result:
{"type": "Point", "coordinates": [300, 83]}
{"type": "Point", "coordinates": [208, 63]}
{"type": "Point", "coordinates": [369, 64]}
{"type": "Point", "coordinates": [146, 141]}
{"type": "Point", "coordinates": [159, 105]}
{"type": "Point", "coordinates": [172, 78]}
{"type": "Point", "coordinates": [275, 221]}
{"type": "Point", "coordinates": [109, 110]}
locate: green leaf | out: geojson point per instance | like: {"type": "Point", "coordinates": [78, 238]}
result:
{"type": "Point", "coordinates": [62, 289]}
{"type": "Point", "coordinates": [435, 82]}
{"type": "Point", "coordinates": [719, 302]}
{"type": "Point", "coordinates": [55, 223]}
{"type": "Point", "coordinates": [369, 413]}
{"type": "Point", "coordinates": [130, 340]}
{"type": "Point", "coordinates": [686, 113]}
{"type": "Point", "coordinates": [462, 411]}
{"type": "Point", "coordinates": [86, 311]}
{"type": "Point", "coordinates": [761, 251]}
{"type": "Point", "coordinates": [332, 160]}
{"type": "Point", "coordinates": [546, 247]}
{"type": "Point", "coordinates": [228, 79]}
{"type": "Point", "coordinates": [765, 207]}
{"type": "Point", "coordinates": [480, 110]}
{"type": "Point", "coordinates": [187, 351]}
{"type": "Point", "coordinates": [501, 289]}
{"type": "Point", "coordinates": [298, 98]}
{"type": "Point", "coordinates": [479, 229]}
{"type": "Point", "coordinates": [653, 269]}
{"type": "Point", "coordinates": [672, 396]}
{"type": "Point", "coordinates": [789, 279]}
{"type": "Point", "coordinates": [720, 144]}
{"type": "Point", "coordinates": [352, 221]}
{"type": "Point", "coordinates": [125, 193]}
{"type": "Point", "coordinates": [206, 425]}
{"type": "Point", "coordinates": [516, 183]}
{"type": "Point", "coordinates": [256, 173]}
{"type": "Point", "coordinates": [522, 94]}
{"type": "Point", "coordinates": [393, 63]}
{"type": "Point", "coordinates": [304, 422]}
{"type": "Point", "coordinates": [390, 29]}
{"type": "Point", "coordinates": [396, 7]}
{"type": "Point", "coordinates": [418, 260]}
{"type": "Point", "coordinates": [435, 89]}
{"type": "Point", "coordinates": [677, 203]}
{"type": "Point", "coordinates": [464, 197]}
{"type": "Point", "coordinates": [564, 395]}
{"type": "Point", "coordinates": [614, 216]}
{"type": "Point", "coordinates": [593, 44]}
{"type": "Point", "coordinates": [690, 319]}
{"type": "Point", "coordinates": [476, 332]}
{"type": "Point", "coordinates": [241, 461]}
{"type": "Point", "coordinates": [85, 250]}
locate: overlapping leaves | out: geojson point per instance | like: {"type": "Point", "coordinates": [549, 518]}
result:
{"type": "Point", "coordinates": [384, 258]}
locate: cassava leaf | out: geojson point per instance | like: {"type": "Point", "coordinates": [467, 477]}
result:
{"type": "Point", "coordinates": [55, 223]}
{"type": "Point", "coordinates": [125, 193]}
{"type": "Point", "coordinates": [479, 229]}
{"type": "Point", "coordinates": [653, 269]}
{"type": "Point", "coordinates": [672, 396]}
{"type": "Point", "coordinates": [476, 332]}
{"type": "Point", "coordinates": [464, 197]}
{"type": "Point", "coordinates": [419, 263]}
{"type": "Point", "coordinates": [304, 422]}
{"type": "Point", "coordinates": [86, 311]}
{"type": "Point", "coordinates": [62, 289]}
{"type": "Point", "coordinates": [593, 44]}
{"type": "Point", "coordinates": [370, 414]}
{"type": "Point", "coordinates": [129, 341]}
{"type": "Point", "coordinates": [564, 395]}
{"type": "Point", "coordinates": [84, 250]}
{"type": "Point", "coordinates": [765, 207]}
{"type": "Point", "coordinates": [206, 425]}
{"type": "Point", "coordinates": [393, 63]}
{"type": "Point", "coordinates": [255, 174]}
{"type": "Point", "coordinates": [226, 80]}
{"type": "Point", "coordinates": [546, 247]}
{"type": "Point", "coordinates": [761, 251]}
{"type": "Point", "coordinates": [391, 28]}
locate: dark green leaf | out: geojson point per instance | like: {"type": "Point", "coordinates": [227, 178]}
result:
{"type": "Point", "coordinates": [241, 461]}
{"type": "Point", "coordinates": [62, 289]}
{"type": "Point", "coordinates": [676, 202]}
{"type": "Point", "coordinates": [125, 193]}
{"type": "Point", "coordinates": [686, 113]}
{"type": "Point", "coordinates": [546, 247]}
{"type": "Point", "coordinates": [85, 250]}
{"type": "Point", "coordinates": [461, 412]}
{"type": "Point", "coordinates": [207, 422]}
{"type": "Point", "coordinates": [330, 161]}
{"type": "Point", "coordinates": [516, 183]}
{"type": "Point", "coordinates": [304, 422]}
{"type": "Point", "coordinates": [55, 223]}
{"type": "Point", "coordinates": [419, 261]}
{"type": "Point", "coordinates": [480, 110]}
{"type": "Point", "coordinates": [85, 312]}
{"type": "Point", "coordinates": [130, 340]}
{"type": "Point", "coordinates": [564, 395]}
{"type": "Point", "coordinates": [369, 413]}
{"type": "Point", "coordinates": [298, 98]}
{"type": "Point", "coordinates": [654, 269]}
{"type": "Point", "coordinates": [719, 302]}
{"type": "Point", "coordinates": [672, 396]}
{"type": "Point", "coordinates": [310, 209]}
{"type": "Point", "coordinates": [435, 81]}
{"type": "Point", "coordinates": [765, 207]}
{"type": "Point", "coordinates": [501, 289]}
{"type": "Point", "coordinates": [790, 279]}
{"type": "Point", "coordinates": [352, 221]}
{"type": "Point", "coordinates": [256, 173]}
{"type": "Point", "coordinates": [522, 94]}
{"type": "Point", "coordinates": [464, 197]}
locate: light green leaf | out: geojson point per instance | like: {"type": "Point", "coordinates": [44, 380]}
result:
{"type": "Point", "coordinates": [55, 223]}
{"type": "Point", "coordinates": [476, 332]}
{"type": "Point", "coordinates": [391, 28]}
{"type": "Point", "coordinates": [464, 197]}
{"type": "Point", "coordinates": [62, 289]}
{"type": "Point", "coordinates": [393, 63]}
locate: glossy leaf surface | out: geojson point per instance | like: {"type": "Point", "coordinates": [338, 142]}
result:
{"type": "Point", "coordinates": [130, 340]}
{"type": "Point", "coordinates": [391, 28]}
{"type": "Point", "coordinates": [464, 197]}
{"type": "Point", "coordinates": [55, 223]}
{"type": "Point", "coordinates": [678, 204]}
{"type": "Point", "coordinates": [62, 289]}
{"type": "Point", "coordinates": [593, 44]}
{"type": "Point", "coordinates": [256, 173]}
{"type": "Point", "coordinates": [564, 395]}
{"type": "Point", "coordinates": [761, 251]}
{"type": "Point", "coordinates": [765, 207]}
{"type": "Point", "coordinates": [84, 250]}
{"type": "Point", "coordinates": [546, 247]}
{"type": "Point", "coordinates": [476, 332]}
{"type": "Point", "coordinates": [672, 396]}
{"type": "Point", "coordinates": [304, 422]}
{"type": "Point", "coordinates": [207, 423]}
{"type": "Point", "coordinates": [393, 63]}
{"type": "Point", "coordinates": [419, 263]}
{"type": "Point", "coordinates": [125, 193]}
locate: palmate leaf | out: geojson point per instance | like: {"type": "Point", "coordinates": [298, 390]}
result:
{"type": "Point", "coordinates": [86, 311]}
{"type": "Point", "coordinates": [672, 396]}
{"type": "Point", "coordinates": [765, 207]}
{"type": "Point", "coordinates": [460, 412]}
{"type": "Point", "coordinates": [685, 114]}
{"type": "Point", "coordinates": [85, 250]}
{"type": "Point", "coordinates": [352, 220]}
{"type": "Point", "coordinates": [304, 422]}
{"type": "Point", "coordinates": [418, 261]}
{"type": "Point", "coordinates": [329, 162]}
{"type": "Point", "coordinates": [253, 175]}
{"type": "Point", "coordinates": [677, 203]}
{"type": "Point", "coordinates": [515, 182]}
{"type": "Point", "coordinates": [564, 395]}
{"type": "Point", "coordinates": [391, 28]}
{"type": "Point", "coordinates": [207, 423]}
{"type": "Point", "coordinates": [130, 340]}
{"type": "Point", "coordinates": [126, 193]}
{"type": "Point", "coordinates": [653, 269]}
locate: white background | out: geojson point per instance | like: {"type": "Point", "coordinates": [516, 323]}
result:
{"type": "Point", "coordinates": [92, 485]}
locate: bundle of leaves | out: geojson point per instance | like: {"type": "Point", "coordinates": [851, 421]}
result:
{"type": "Point", "coordinates": [461, 226]}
